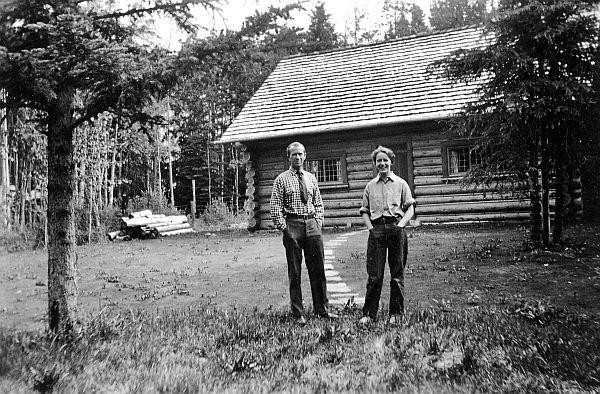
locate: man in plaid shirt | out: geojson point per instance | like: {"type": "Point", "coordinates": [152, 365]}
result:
{"type": "Point", "coordinates": [297, 210]}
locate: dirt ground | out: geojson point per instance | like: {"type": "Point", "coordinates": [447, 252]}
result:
{"type": "Point", "coordinates": [449, 267]}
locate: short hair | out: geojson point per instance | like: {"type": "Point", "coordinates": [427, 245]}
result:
{"type": "Point", "coordinates": [383, 149]}
{"type": "Point", "coordinates": [294, 144]}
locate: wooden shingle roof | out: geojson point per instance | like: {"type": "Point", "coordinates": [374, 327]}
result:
{"type": "Point", "coordinates": [365, 86]}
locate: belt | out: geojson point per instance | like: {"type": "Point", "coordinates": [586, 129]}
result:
{"type": "Point", "coordinates": [385, 220]}
{"type": "Point", "coordinates": [296, 216]}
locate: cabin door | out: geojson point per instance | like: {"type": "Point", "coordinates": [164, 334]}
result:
{"type": "Point", "coordinates": [403, 164]}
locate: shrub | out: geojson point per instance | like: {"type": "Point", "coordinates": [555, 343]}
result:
{"type": "Point", "coordinates": [17, 239]}
{"type": "Point", "coordinates": [218, 216]}
{"type": "Point", "coordinates": [156, 202]}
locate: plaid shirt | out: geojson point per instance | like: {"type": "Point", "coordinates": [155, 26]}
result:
{"type": "Point", "coordinates": [285, 198]}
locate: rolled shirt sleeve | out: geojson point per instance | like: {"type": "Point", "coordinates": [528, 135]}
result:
{"type": "Point", "coordinates": [277, 213]}
{"type": "Point", "coordinates": [365, 207]}
{"type": "Point", "coordinates": [318, 203]}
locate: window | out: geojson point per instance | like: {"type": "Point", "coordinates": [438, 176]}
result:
{"type": "Point", "coordinates": [329, 170]}
{"type": "Point", "coordinates": [459, 157]}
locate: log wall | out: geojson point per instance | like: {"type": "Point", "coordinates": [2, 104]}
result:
{"type": "Point", "coordinates": [439, 199]}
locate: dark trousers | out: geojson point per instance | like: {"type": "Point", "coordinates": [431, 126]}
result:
{"type": "Point", "coordinates": [305, 235]}
{"type": "Point", "coordinates": [391, 240]}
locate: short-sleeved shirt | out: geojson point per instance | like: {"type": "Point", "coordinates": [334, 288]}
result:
{"type": "Point", "coordinates": [285, 197]}
{"type": "Point", "coordinates": [391, 197]}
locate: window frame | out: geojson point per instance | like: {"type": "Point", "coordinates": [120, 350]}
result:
{"type": "Point", "coordinates": [335, 155]}
{"type": "Point", "coordinates": [454, 144]}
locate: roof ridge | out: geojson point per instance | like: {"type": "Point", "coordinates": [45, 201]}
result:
{"type": "Point", "coordinates": [386, 42]}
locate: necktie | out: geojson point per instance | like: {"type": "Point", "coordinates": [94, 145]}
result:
{"type": "Point", "coordinates": [303, 190]}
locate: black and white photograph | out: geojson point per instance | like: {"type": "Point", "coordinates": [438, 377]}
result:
{"type": "Point", "coordinates": [299, 196]}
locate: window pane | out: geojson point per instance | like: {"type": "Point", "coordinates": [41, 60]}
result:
{"type": "Point", "coordinates": [326, 170]}
{"type": "Point", "coordinates": [462, 158]}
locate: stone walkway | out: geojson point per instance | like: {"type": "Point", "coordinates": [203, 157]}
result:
{"type": "Point", "coordinates": [339, 292]}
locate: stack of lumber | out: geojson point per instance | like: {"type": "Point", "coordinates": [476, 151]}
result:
{"type": "Point", "coordinates": [145, 224]}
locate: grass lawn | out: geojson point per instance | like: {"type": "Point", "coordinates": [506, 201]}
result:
{"type": "Point", "coordinates": [209, 313]}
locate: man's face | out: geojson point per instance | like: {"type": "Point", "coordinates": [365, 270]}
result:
{"type": "Point", "coordinates": [383, 163]}
{"type": "Point", "coordinates": [297, 157]}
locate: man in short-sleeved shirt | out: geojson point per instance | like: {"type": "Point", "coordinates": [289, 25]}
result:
{"type": "Point", "coordinates": [387, 207]}
{"type": "Point", "coordinates": [297, 210]}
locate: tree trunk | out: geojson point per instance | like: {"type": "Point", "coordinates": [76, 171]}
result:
{"type": "Point", "coordinates": [22, 193]}
{"type": "Point", "coordinates": [62, 286]}
{"type": "Point", "coordinates": [113, 164]}
{"type": "Point", "coordinates": [236, 191]}
{"type": "Point", "coordinates": [590, 189]}
{"type": "Point", "coordinates": [545, 192]}
{"type": "Point", "coordinates": [4, 170]}
{"type": "Point", "coordinates": [222, 173]}
{"type": "Point", "coordinates": [208, 169]}
{"type": "Point", "coordinates": [534, 198]}
{"type": "Point", "coordinates": [590, 169]}
{"type": "Point", "coordinates": [81, 151]}
{"type": "Point", "coordinates": [561, 189]}
{"type": "Point", "coordinates": [171, 185]}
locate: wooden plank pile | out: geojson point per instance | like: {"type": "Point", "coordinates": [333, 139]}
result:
{"type": "Point", "coordinates": [145, 224]}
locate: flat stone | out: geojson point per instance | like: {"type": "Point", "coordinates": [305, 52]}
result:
{"type": "Point", "coordinates": [338, 288]}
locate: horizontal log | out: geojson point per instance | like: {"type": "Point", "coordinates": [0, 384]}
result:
{"type": "Point", "coordinates": [170, 227]}
{"type": "Point", "coordinates": [465, 197]}
{"type": "Point", "coordinates": [245, 157]}
{"type": "Point", "coordinates": [430, 152]}
{"type": "Point", "coordinates": [264, 187]}
{"type": "Point", "coordinates": [426, 143]}
{"type": "Point", "coordinates": [329, 205]}
{"type": "Point", "coordinates": [114, 234]}
{"type": "Point", "coordinates": [269, 175]}
{"type": "Point", "coordinates": [143, 221]}
{"type": "Point", "coordinates": [356, 158]}
{"type": "Point", "coordinates": [471, 207]}
{"type": "Point", "coordinates": [361, 176]}
{"type": "Point", "coordinates": [267, 224]}
{"type": "Point", "coordinates": [440, 189]}
{"type": "Point", "coordinates": [250, 174]}
{"type": "Point", "coordinates": [177, 232]}
{"type": "Point", "coordinates": [357, 167]}
{"type": "Point", "coordinates": [428, 180]}
{"type": "Point", "coordinates": [140, 214]}
{"type": "Point", "coordinates": [427, 161]}
{"type": "Point", "coordinates": [427, 219]}
{"type": "Point", "coordinates": [342, 195]}
{"type": "Point", "coordinates": [252, 223]}
{"type": "Point", "coordinates": [331, 213]}
{"type": "Point", "coordinates": [426, 171]}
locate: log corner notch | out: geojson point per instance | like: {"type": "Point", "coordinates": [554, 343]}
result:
{"type": "Point", "coordinates": [251, 205]}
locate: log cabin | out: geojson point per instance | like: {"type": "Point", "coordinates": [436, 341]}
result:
{"type": "Point", "coordinates": [342, 104]}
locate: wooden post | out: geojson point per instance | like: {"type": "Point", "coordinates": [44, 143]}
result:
{"type": "Point", "coordinates": [193, 202]}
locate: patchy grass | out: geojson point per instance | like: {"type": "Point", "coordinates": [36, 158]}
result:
{"type": "Point", "coordinates": [521, 347]}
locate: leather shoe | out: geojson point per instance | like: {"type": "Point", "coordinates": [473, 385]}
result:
{"type": "Point", "coordinates": [365, 320]}
{"type": "Point", "coordinates": [395, 320]}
